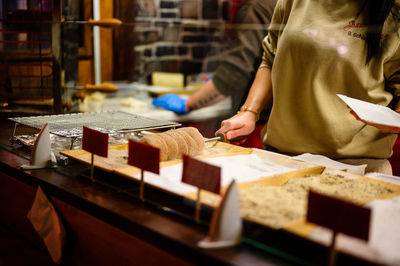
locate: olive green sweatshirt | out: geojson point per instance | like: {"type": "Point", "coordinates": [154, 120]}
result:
{"type": "Point", "coordinates": [316, 49]}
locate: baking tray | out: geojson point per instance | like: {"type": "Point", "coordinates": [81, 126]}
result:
{"type": "Point", "coordinates": [111, 122]}
{"type": "Point", "coordinates": [256, 232]}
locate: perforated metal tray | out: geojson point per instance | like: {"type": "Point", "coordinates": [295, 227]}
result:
{"type": "Point", "coordinates": [112, 122]}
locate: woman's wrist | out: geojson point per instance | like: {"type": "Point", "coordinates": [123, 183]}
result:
{"type": "Point", "coordinates": [254, 111]}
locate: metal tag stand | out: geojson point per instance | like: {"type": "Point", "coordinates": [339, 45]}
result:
{"type": "Point", "coordinates": [226, 224]}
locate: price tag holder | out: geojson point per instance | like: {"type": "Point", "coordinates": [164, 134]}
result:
{"type": "Point", "coordinates": [145, 157]}
{"type": "Point", "coordinates": [339, 216]}
{"type": "Point", "coordinates": [201, 175]}
{"type": "Point", "coordinates": [95, 142]}
{"type": "Point", "coordinates": [226, 224]}
{"type": "Point", "coordinates": [41, 156]}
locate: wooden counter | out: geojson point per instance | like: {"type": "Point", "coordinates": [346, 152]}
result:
{"type": "Point", "coordinates": [107, 226]}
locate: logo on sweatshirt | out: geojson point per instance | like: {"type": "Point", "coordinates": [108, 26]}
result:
{"type": "Point", "coordinates": [352, 27]}
{"type": "Point", "coordinates": [352, 30]}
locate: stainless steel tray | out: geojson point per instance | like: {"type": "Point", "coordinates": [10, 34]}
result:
{"type": "Point", "coordinates": [111, 122]}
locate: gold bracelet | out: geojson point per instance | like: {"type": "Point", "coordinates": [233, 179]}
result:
{"type": "Point", "coordinates": [245, 108]}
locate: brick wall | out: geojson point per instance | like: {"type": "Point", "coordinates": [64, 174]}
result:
{"type": "Point", "coordinates": [179, 35]}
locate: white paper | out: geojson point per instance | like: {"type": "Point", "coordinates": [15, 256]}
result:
{"type": "Point", "coordinates": [271, 153]}
{"type": "Point", "coordinates": [373, 113]}
{"type": "Point", "coordinates": [329, 163]}
{"type": "Point", "coordinates": [385, 231]}
{"type": "Point", "coordinates": [386, 178]}
{"type": "Point", "coordinates": [242, 168]}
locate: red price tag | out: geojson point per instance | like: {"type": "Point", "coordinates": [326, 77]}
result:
{"type": "Point", "coordinates": [338, 215]}
{"type": "Point", "coordinates": [144, 156]}
{"type": "Point", "coordinates": [202, 175]}
{"type": "Point", "coordinates": [95, 142]}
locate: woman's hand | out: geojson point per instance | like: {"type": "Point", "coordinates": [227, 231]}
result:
{"type": "Point", "coordinates": [238, 127]}
{"type": "Point", "coordinates": [382, 128]}
{"type": "Point", "coordinates": [243, 124]}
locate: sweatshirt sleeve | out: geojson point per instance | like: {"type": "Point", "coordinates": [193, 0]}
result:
{"type": "Point", "coordinates": [270, 42]}
{"type": "Point", "coordinates": [242, 56]}
{"type": "Point", "coordinates": [392, 73]}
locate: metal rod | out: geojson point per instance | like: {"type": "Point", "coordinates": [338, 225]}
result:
{"type": "Point", "coordinates": [219, 137]}
{"type": "Point", "coordinates": [75, 22]}
{"type": "Point", "coordinates": [110, 22]}
{"type": "Point", "coordinates": [96, 43]}
{"type": "Point", "coordinates": [14, 130]}
{"type": "Point", "coordinates": [214, 138]}
{"type": "Point", "coordinates": [72, 142]}
{"type": "Point", "coordinates": [56, 47]}
{"type": "Point", "coordinates": [222, 137]}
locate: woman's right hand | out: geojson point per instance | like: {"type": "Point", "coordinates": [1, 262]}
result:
{"type": "Point", "coordinates": [244, 123]}
{"type": "Point", "coordinates": [238, 126]}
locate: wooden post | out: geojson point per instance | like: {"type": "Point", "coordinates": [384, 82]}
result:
{"type": "Point", "coordinates": [92, 168]}
{"type": "Point", "coordinates": [198, 205]}
{"type": "Point", "coordinates": [142, 185]}
{"type": "Point", "coordinates": [332, 250]}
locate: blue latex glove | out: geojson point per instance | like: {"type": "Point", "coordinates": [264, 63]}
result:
{"type": "Point", "coordinates": [171, 102]}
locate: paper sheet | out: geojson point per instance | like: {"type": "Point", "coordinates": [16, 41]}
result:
{"type": "Point", "coordinates": [242, 168]}
{"type": "Point", "coordinates": [372, 113]}
{"type": "Point", "coordinates": [386, 178]}
{"type": "Point", "coordinates": [329, 163]}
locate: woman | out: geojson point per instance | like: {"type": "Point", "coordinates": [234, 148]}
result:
{"type": "Point", "coordinates": [313, 51]}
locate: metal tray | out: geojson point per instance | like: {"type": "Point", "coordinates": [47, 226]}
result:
{"type": "Point", "coordinates": [111, 122]}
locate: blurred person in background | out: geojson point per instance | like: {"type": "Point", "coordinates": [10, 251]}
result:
{"type": "Point", "coordinates": [237, 65]}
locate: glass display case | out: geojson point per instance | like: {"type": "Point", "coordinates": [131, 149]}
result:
{"type": "Point", "coordinates": [47, 53]}
{"type": "Point", "coordinates": [31, 57]}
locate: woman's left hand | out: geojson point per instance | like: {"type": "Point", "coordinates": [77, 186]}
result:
{"type": "Point", "coordinates": [382, 128]}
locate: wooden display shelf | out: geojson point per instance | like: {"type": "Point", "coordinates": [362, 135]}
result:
{"type": "Point", "coordinates": [108, 226]}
